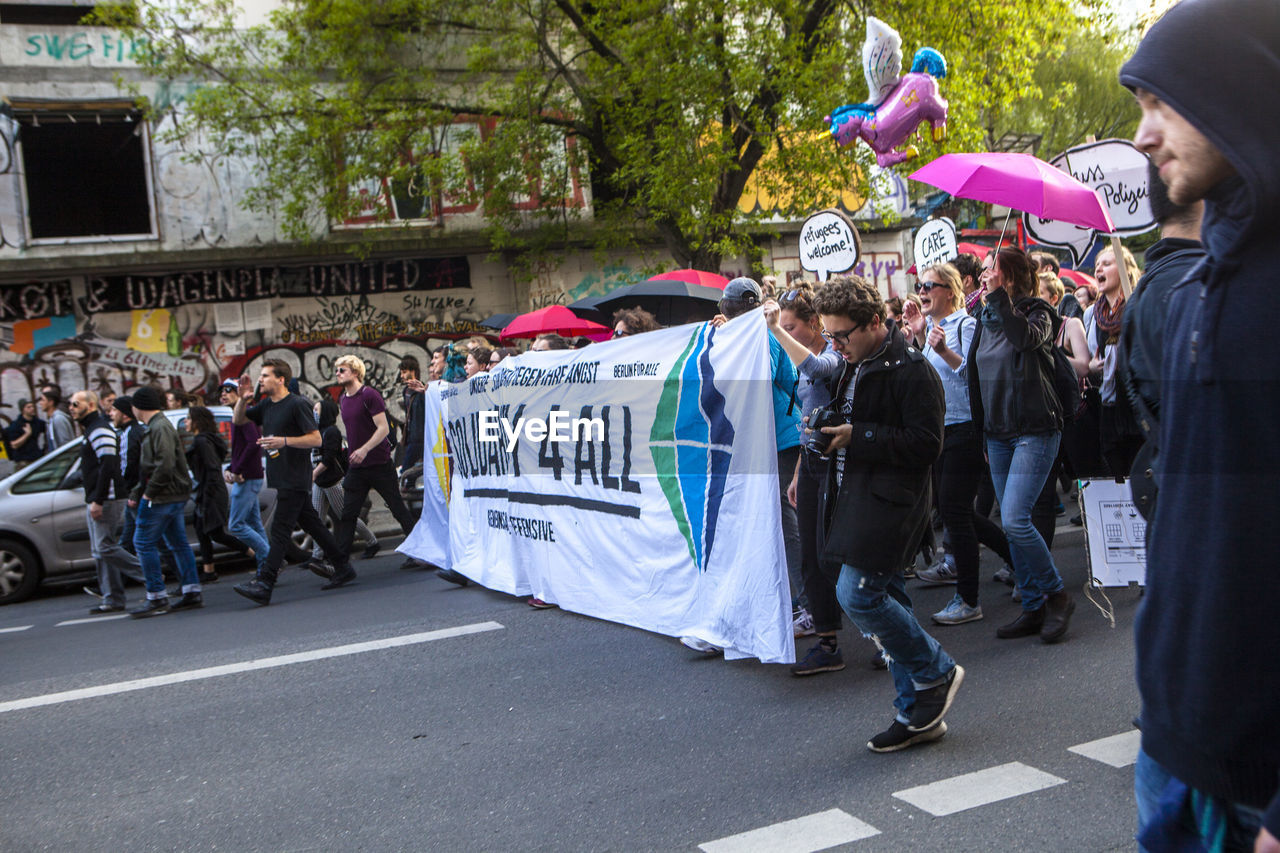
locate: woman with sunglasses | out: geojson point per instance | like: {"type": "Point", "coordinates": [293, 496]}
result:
{"type": "Point", "coordinates": [793, 320]}
{"type": "Point", "coordinates": [947, 331]}
{"type": "Point", "coordinates": [1015, 403]}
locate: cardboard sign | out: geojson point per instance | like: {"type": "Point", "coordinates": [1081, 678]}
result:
{"type": "Point", "coordinates": [935, 243]}
{"type": "Point", "coordinates": [1117, 172]}
{"type": "Point", "coordinates": [1116, 532]}
{"type": "Point", "coordinates": [829, 244]}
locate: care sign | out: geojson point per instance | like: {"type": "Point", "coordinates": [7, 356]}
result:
{"type": "Point", "coordinates": [1117, 172]}
{"type": "Point", "coordinates": [828, 244]}
{"type": "Point", "coordinates": [634, 480]}
{"type": "Point", "coordinates": [935, 243]}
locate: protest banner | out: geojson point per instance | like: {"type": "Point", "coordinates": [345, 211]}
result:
{"type": "Point", "coordinates": [633, 481]}
{"type": "Point", "coordinates": [935, 243]}
{"type": "Point", "coordinates": [828, 244]}
{"type": "Point", "coordinates": [429, 540]}
{"type": "Point", "coordinates": [1116, 532]}
{"type": "Point", "coordinates": [1117, 172]}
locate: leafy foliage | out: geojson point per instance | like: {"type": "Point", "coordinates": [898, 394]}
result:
{"type": "Point", "coordinates": [665, 109]}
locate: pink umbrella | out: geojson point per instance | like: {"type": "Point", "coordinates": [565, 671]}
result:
{"type": "Point", "coordinates": [1021, 182]}
{"type": "Point", "coordinates": [553, 318]}
{"type": "Point", "coordinates": [690, 276]}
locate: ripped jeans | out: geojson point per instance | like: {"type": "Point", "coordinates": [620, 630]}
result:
{"type": "Point", "coordinates": [878, 604]}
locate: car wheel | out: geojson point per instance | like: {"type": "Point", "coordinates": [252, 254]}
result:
{"type": "Point", "coordinates": [20, 572]}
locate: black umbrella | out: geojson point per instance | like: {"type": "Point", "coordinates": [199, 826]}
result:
{"type": "Point", "coordinates": [672, 302]}
{"type": "Point", "coordinates": [587, 310]}
{"type": "Point", "coordinates": [498, 321]}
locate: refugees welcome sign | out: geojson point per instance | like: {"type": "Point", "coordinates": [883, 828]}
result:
{"type": "Point", "coordinates": [634, 481]}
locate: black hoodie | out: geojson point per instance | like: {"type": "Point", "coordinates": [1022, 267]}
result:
{"type": "Point", "coordinates": [1208, 636]}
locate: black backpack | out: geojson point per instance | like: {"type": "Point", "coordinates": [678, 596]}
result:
{"type": "Point", "coordinates": [1067, 385]}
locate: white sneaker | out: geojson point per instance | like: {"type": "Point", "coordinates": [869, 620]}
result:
{"type": "Point", "coordinates": [939, 573]}
{"type": "Point", "coordinates": [957, 613]}
{"type": "Point", "coordinates": [802, 625]}
{"type": "Point", "coordinates": [700, 646]}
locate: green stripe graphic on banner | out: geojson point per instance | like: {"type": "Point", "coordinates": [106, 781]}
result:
{"type": "Point", "coordinates": [663, 447]}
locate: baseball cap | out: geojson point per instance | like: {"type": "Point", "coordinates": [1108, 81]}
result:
{"type": "Point", "coordinates": [743, 288]}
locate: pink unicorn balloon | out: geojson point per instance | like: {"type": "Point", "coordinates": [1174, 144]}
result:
{"type": "Point", "coordinates": [898, 105]}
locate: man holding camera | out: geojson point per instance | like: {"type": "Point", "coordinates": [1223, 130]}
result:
{"type": "Point", "coordinates": [890, 407]}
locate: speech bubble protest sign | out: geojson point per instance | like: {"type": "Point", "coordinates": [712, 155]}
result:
{"type": "Point", "coordinates": [1117, 172]}
{"type": "Point", "coordinates": [828, 244]}
{"type": "Point", "coordinates": [935, 243]}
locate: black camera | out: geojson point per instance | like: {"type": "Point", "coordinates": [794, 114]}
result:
{"type": "Point", "coordinates": [823, 416]}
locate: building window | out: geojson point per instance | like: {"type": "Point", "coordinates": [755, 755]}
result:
{"type": "Point", "coordinates": [85, 173]}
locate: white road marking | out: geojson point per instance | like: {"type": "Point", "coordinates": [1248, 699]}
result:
{"type": "Point", "coordinates": [245, 666]}
{"type": "Point", "coordinates": [1118, 750]}
{"type": "Point", "coordinates": [89, 619]}
{"type": "Point", "coordinates": [978, 789]}
{"type": "Point", "coordinates": [802, 835]}
{"type": "Point", "coordinates": [15, 629]}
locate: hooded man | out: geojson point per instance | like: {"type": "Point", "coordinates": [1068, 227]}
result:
{"type": "Point", "coordinates": [104, 498]}
{"type": "Point", "coordinates": [1208, 773]}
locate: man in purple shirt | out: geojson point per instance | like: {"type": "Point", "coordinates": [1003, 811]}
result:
{"type": "Point", "coordinates": [244, 474]}
{"type": "Point", "coordinates": [364, 413]}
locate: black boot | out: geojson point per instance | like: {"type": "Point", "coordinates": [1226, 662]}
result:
{"type": "Point", "coordinates": [1028, 623]}
{"type": "Point", "coordinates": [1058, 608]}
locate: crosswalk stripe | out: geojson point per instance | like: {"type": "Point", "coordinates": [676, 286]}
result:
{"type": "Point", "coordinates": [984, 787]}
{"type": "Point", "coordinates": [802, 835]}
{"type": "Point", "coordinates": [1118, 750]}
{"type": "Point", "coordinates": [15, 629]}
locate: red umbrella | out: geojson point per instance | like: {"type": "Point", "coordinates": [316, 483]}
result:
{"type": "Point", "coordinates": [553, 318]}
{"type": "Point", "coordinates": [706, 279]}
{"type": "Point", "coordinates": [1079, 278]}
{"type": "Point", "coordinates": [973, 249]}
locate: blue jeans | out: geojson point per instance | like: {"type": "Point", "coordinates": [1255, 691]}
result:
{"type": "Point", "coordinates": [1019, 467]}
{"type": "Point", "coordinates": [158, 522]}
{"type": "Point", "coordinates": [877, 603]}
{"type": "Point", "coordinates": [1173, 816]}
{"type": "Point", "coordinates": [245, 521]}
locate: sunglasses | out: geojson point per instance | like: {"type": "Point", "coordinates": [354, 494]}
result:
{"type": "Point", "coordinates": [926, 286]}
{"type": "Point", "coordinates": [342, 370]}
{"type": "Point", "coordinates": [618, 334]}
{"type": "Point", "coordinates": [790, 296]}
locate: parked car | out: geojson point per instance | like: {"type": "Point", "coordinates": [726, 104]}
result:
{"type": "Point", "coordinates": [44, 536]}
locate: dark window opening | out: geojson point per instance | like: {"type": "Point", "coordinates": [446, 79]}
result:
{"type": "Point", "coordinates": [46, 16]}
{"type": "Point", "coordinates": [84, 178]}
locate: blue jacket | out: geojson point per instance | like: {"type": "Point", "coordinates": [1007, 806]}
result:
{"type": "Point", "coordinates": [1207, 633]}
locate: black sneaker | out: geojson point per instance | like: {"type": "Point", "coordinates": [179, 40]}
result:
{"type": "Point", "coordinates": [819, 660]}
{"type": "Point", "coordinates": [153, 607]}
{"type": "Point", "coordinates": [254, 590]}
{"type": "Point", "coordinates": [341, 578]}
{"type": "Point", "coordinates": [189, 601]}
{"type": "Point", "coordinates": [898, 736]}
{"type": "Point", "coordinates": [933, 703]}
{"type": "Point", "coordinates": [208, 577]}
{"type": "Point", "coordinates": [321, 568]}
{"type": "Point", "coordinates": [371, 550]}
{"type": "Point", "coordinates": [452, 577]}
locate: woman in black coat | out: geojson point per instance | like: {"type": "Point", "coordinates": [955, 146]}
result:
{"type": "Point", "coordinates": [205, 457]}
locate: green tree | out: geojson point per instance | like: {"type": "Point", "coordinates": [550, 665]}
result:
{"type": "Point", "coordinates": [669, 107]}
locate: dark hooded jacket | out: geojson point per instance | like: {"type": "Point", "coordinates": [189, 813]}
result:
{"type": "Point", "coordinates": [205, 458]}
{"type": "Point", "coordinates": [1010, 368]}
{"type": "Point", "coordinates": [1207, 633]}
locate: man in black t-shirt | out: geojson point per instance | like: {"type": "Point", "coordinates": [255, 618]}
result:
{"type": "Point", "coordinates": [288, 434]}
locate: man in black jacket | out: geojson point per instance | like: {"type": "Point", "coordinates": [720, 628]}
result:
{"type": "Point", "coordinates": [891, 403]}
{"type": "Point", "coordinates": [130, 434]}
{"type": "Point", "coordinates": [105, 496]}
{"type": "Point", "coordinates": [1206, 636]}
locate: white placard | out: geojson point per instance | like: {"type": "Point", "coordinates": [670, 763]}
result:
{"type": "Point", "coordinates": [828, 244]}
{"type": "Point", "coordinates": [228, 317]}
{"type": "Point", "coordinates": [935, 243]}
{"type": "Point", "coordinates": [1117, 172]}
{"type": "Point", "coordinates": [257, 315]}
{"type": "Point", "coordinates": [1116, 532]}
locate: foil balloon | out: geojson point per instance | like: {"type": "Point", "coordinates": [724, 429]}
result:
{"type": "Point", "coordinates": [897, 103]}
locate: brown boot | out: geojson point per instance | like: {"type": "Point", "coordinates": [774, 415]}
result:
{"type": "Point", "coordinates": [1058, 608]}
{"type": "Point", "coordinates": [1027, 624]}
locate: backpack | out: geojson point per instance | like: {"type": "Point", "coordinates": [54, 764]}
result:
{"type": "Point", "coordinates": [334, 474]}
{"type": "Point", "coordinates": [1067, 385]}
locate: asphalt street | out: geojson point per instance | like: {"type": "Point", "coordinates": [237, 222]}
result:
{"type": "Point", "coordinates": [403, 713]}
